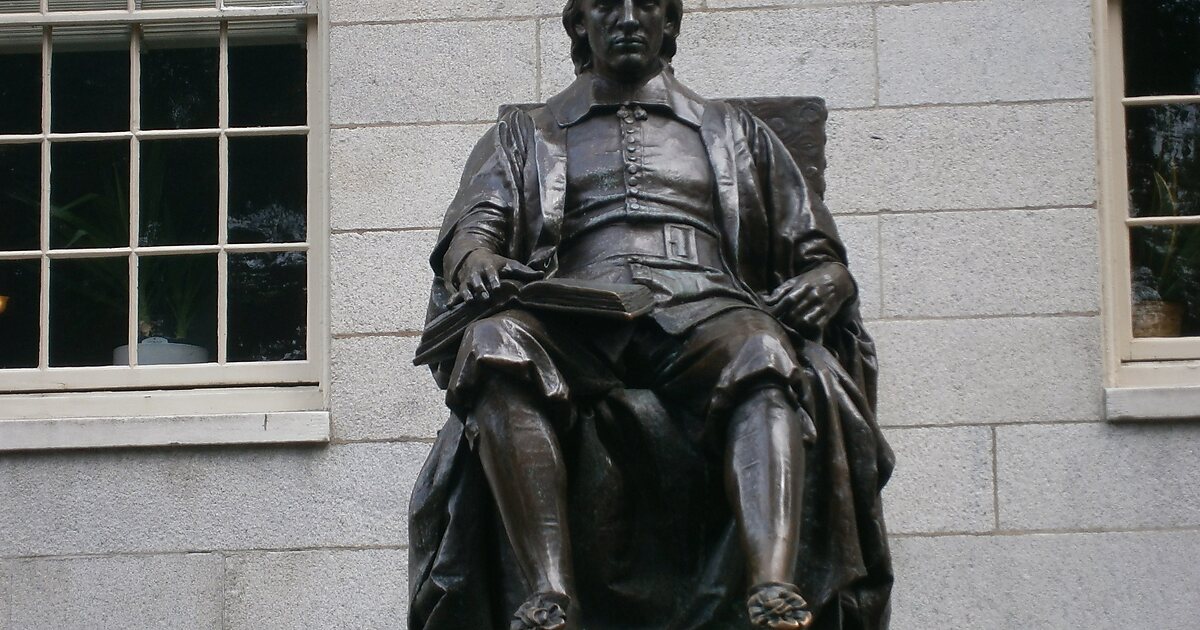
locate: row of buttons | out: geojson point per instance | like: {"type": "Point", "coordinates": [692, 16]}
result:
{"type": "Point", "coordinates": [631, 118]}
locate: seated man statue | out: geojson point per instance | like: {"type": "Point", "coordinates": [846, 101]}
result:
{"type": "Point", "coordinates": [713, 463]}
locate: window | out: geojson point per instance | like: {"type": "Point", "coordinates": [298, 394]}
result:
{"type": "Point", "coordinates": [1149, 118]}
{"type": "Point", "coordinates": [161, 206]}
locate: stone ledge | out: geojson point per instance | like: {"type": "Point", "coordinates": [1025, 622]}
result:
{"type": "Point", "coordinates": [250, 428]}
{"type": "Point", "coordinates": [1131, 404]}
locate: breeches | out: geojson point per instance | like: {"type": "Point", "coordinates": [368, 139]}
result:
{"type": "Point", "coordinates": [570, 361]}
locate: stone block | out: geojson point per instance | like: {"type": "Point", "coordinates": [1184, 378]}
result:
{"type": "Point", "coordinates": [4, 594]}
{"type": "Point", "coordinates": [330, 590]}
{"type": "Point", "coordinates": [1002, 370]}
{"type": "Point", "coordinates": [385, 10]}
{"type": "Point", "coordinates": [943, 481]}
{"type": "Point", "coordinates": [1099, 476]}
{"type": "Point", "coordinates": [861, 237]}
{"type": "Point", "coordinates": [992, 50]}
{"type": "Point", "coordinates": [946, 264]}
{"type": "Point", "coordinates": [820, 52]}
{"type": "Point", "coordinates": [379, 394]}
{"type": "Point", "coordinates": [127, 592]}
{"type": "Point", "coordinates": [1050, 582]}
{"type": "Point", "coordinates": [380, 281]}
{"type": "Point", "coordinates": [148, 501]}
{"type": "Point", "coordinates": [430, 71]}
{"type": "Point", "coordinates": [396, 177]}
{"type": "Point", "coordinates": [961, 158]}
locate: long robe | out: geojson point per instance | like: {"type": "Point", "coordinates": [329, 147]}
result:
{"type": "Point", "coordinates": [654, 540]}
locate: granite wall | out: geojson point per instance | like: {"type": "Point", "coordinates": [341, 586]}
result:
{"type": "Point", "coordinates": [963, 170]}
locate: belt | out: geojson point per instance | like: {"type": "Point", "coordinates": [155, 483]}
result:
{"type": "Point", "coordinates": [670, 241]}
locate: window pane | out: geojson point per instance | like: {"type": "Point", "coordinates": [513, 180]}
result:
{"type": "Point", "coordinates": [87, 5]}
{"type": "Point", "coordinates": [20, 197]}
{"type": "Point", "coordinates": [268, 307]}
{"type": "Point", "coordinates": [267, 74]}
{"type": "Point", "coordinates": [175, 4]}
{"type": "Point", "coordinates": [179, 192]}
{"type": "Point", "coordinates": [177, 303]}
{"type": "Point", "coordinates": [265, 3]}
{"type": "Point", "coordinates": [1166, 280]}
{"type": "Point", "coordinates": [1161, 52]}
{"type": "Point", "coordinates": [89, 306]}
{"type": "Point", "coordinates": [1164, 160]}
{"type": "Point", "coordinates": [19, 311]}
{"type": "Point", "coordinates": [179, 76]}
{"type": "Point", "coordinates": [19, 6]}
{"type": "Point", "coordinates": [21, 80]}
{"type": "Point", "coordinates": [89, 194]}
{"type": "Point", "coordinates": [89, 79]}
{"type": "Point", "coordinates": [267, 189]}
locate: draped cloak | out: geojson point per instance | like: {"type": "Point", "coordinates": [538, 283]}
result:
{"type": "Point", "coordinates": [654, 540]}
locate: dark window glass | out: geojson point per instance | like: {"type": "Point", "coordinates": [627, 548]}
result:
{"type": "Point", "coordinates": [180, 77]}
{"type": "Point", "coordinates": [20, 81]}
{"type": "Point", "coordinates": [177, 301]}
{"type": "Point", "coordinates": [87, 5]}
{"type": "Point", "coordinates": [89, 307]}
{"type": "Point", "coordinates": [268, 189]}
{"type": "Point", "coordinates": [89, 79]}
{"type": "Point", "coordinates": [20, 196]}
{"type": "Point", "coordinates": [267, 74]}
{"type": "Point", "coordinates": [19, 6]}
{"type": "Point", "coordinates": [1164, 160]}
{"type": "Point", "coordinates": [1162, 47]}
{"type": "Point", "coordinates": [268, 302]}
{"type": "Point", "coordinates": [1166, 280]}
{"type": "Point", "coordinates": [20, 307]}
{"type": "Point", "coordinates": [89, 194]}
{"type": "Point", "coordinates": [179, 192]}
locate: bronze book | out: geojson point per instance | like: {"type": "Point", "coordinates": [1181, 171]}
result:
{"type": "Point", "coordinates": [607, 300]}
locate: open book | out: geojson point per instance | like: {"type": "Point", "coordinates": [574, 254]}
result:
{"type": "Point", "coordinates": [583, 297]}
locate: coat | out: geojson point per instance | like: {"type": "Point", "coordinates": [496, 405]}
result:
{"type": "Point", "coordinates": [635, 475]}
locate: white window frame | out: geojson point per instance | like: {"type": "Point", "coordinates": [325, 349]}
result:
{"type": "Point", "coordinates": [1145, 378]}
{"type": "Point", "coordinates": [42, 407]}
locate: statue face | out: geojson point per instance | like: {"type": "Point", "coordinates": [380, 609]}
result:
{"type": "Point", "coordinates": [626, 36]}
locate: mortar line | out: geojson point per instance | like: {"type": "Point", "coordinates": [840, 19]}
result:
{"type": "Point", "coordinates": [210, 551]}
{"type": "Point", "coordinates": [996, 424]}
{"type": "Point", "coordinates": [384, 230]}
{"type": "Point", "coordinates": [995, 481]}
{"type": "Point", "coordinates": [537, 58]}
{"type": "Point", "coordinates": [399, 334]}
{"type": "Point", "coordinates": [1014, 533]}
{"type": "Point", "coordinates": [224, 590]}
{"type": "Point", "coordinates": [875, 34]}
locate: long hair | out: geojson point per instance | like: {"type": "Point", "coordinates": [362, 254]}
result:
{"type": "Point", "coordinates": [581, 50]}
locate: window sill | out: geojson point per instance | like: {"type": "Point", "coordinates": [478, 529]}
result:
{"type": "Point", "coordinates": [1133, 404]}
{"type": "Point", "coordinates": [291, 427]}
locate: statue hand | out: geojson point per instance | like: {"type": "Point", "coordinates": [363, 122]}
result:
{"type": "Point", "coordinates": [482, 271]}
{"type": "Point", "coordinates": [809, 301]}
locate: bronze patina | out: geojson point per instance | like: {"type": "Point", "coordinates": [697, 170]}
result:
{"type": "Point", "coordinates": [661, 392]}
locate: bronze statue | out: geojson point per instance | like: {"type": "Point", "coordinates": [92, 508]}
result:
{"type": "Point", "coordinates": [661, 393]}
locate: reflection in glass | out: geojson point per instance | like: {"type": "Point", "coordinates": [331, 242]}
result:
{"type": "Point", "coordinates": [268, 189]}
{"type": "Point", "coordinates": [20, 305]}
{"type": "Point", "coordinates": [1164, 160]}
{"type": "Point", "coordinates": [179, 192]}
{"type": "Point", "coordinates": [1166, 280]}
{"type": "Point", "coordinates": [179, 77]}
{"type": "Point", "coordinates": [268, 306]}
{"type": "Point", "coordinates": [20, 80]}
{"type": "Point", "coordinates": [89, 194]}
{"type": "Point", "coordinates": [1161, 52]}
{"type": "Point", "coordinates": [267, 74]}
{"type": "Point", "coordinates": [87, 5]}
{"type": "Point", "coordinates": [89, 307]}
{"type": "Point", "coordinates": [177, 300]}
{"type": "Point", "coordinates": [89, 80]}
{"type": "Point", "coordinates": [20, 198]}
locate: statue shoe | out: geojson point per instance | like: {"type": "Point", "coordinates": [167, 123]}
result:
{"type": "Point", "coordinates": [543, 611]}
{"type": "Point", "coordinates": [778, 606]}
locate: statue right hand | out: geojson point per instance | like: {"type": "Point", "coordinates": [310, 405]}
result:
{"type": "Point", "coordinates": [482, 271]}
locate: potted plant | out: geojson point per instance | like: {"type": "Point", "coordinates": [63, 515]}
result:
{"type": "Point", "coordinates": [1166, 271]}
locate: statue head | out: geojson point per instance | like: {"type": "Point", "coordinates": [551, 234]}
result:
{"type": "Point", "coordinates": [624, 40]}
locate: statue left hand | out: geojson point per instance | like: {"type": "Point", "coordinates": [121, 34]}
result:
{"type": "Point", "coordinates": [809, 301]}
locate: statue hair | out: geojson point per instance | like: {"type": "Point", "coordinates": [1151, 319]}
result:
{"type": "Point", "coordinates": [581, 50]}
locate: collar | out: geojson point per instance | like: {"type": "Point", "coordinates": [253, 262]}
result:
{"type": "Point", "coordinates": [590, 91]}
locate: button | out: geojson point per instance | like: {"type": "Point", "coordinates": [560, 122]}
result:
{"type": "Point", "coordinates": [633, 169]}
{"type": "Point", "coordinates": [632, 148]}
{"type": "Point", "coordinates": [633, 181]}
{"type": "Point", "coordinates": [640, 113]}
{"type": "Point", "coordinates": [623, 112]}
{"type": "Point", "coordinates": [632, 158]}
{"type": "Point", "coordinates": [634, 205]}
{"type": "Point", "coordinates": [631, 130]}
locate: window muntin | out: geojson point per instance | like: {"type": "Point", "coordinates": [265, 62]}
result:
{"type": "Point", "coordinates": [199, 251]}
